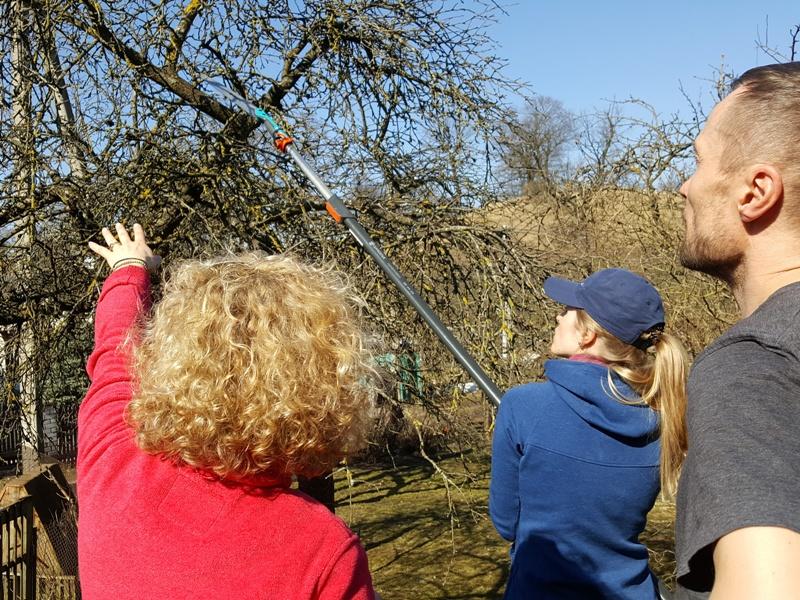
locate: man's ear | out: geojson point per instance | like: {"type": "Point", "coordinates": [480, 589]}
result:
{"type": "Point", "coordinates": [765, 191]}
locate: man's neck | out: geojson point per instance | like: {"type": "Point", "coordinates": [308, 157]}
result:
{"type": "Point", "coordinates": [755, 283]}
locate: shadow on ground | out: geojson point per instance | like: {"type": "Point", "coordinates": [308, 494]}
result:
{"type": "Point", "coordinates": [420, 544]}
{"type": "Point", "coordinates": [425, 544]}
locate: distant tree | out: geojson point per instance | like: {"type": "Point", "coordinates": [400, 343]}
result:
{"type": "Point", "coordinates": [631, 145]}
{"type": "Point", "coordinates": [536, 141]}
{"type": "Point", "coordinates": [601, 148]}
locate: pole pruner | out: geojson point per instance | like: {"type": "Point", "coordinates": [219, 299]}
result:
{"type": "Point", "coordinates": [342, 215]}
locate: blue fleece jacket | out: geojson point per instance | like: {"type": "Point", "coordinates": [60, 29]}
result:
{"type": "Point", "coordinates": [574, 474]}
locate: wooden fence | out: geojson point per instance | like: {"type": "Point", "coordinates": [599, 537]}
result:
{"type": "Point", "coordinates": [17, 551]}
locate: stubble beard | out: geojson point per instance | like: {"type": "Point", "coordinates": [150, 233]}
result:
{"type": "Point", "coordinates": [711, 255]}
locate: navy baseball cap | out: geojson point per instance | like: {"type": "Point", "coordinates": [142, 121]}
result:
{"type": "Point", "coordinates": [624, 303]}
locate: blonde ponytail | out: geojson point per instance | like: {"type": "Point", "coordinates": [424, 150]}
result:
{"type": "Point", "coordinates": [658, 375]}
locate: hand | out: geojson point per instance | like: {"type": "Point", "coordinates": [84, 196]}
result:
{"type": "Point", "coordinates": [118, 250]}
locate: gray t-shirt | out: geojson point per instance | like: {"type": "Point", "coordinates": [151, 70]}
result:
{"type": "Point", "coordinates": [743, 465]}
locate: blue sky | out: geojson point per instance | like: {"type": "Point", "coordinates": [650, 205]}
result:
{"type": "Point", "coordinates": [587, 52]}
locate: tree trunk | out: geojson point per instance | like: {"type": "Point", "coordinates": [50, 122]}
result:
{"type": "Point", "coordinates": [22, 188]}
{"type": "Point", "coordinates": [320, 488]}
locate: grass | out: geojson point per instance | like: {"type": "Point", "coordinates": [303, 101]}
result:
{"type": "Point", "coordinates": [419, 547]}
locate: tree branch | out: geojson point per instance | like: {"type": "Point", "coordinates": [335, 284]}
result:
{"type": "Point", "coordinates": [178, 36]}
{"type": "Point", "coordinates": [167, 77]}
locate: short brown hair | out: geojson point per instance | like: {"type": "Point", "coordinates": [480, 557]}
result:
{"type": "Point", "coordinates": [764, 123]}
{"type": "Point", "coordinates": [251, 365]}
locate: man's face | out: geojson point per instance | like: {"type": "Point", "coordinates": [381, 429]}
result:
{"type": "Point", "coordinates": [714, 238]}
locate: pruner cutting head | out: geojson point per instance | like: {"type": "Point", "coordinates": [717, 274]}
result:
{"type": "Point", "coordinates": [234, 100]}
{"type": "Point", "coordinates": [281, 140]}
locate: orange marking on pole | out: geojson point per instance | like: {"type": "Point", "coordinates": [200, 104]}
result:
{"type": "Point", "coordinates": [282, 140]}
{"type": "Point", "coordinates": [332, 212]}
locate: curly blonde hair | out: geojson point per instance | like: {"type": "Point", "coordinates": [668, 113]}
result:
{"type": "Point", "coordinates": [252, 364]}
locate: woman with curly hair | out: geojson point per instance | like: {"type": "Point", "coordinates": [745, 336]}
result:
{"type": "Point", "coordinates": [249, 370]}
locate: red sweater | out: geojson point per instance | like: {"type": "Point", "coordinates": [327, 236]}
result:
{"type": "Point", "coordinates": [152, 529]}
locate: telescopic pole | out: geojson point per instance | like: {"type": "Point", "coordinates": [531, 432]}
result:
{"type": "Point", "coordinates": [342, 215]}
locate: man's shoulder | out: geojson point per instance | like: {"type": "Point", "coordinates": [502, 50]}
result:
{"type": "Point", "coordinates": [742, 416]}
{"type": "Point", "coordinates": [771, 328]}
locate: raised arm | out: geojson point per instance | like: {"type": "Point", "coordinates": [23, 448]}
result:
{"type": "Point", "coordinates": [124, 297]}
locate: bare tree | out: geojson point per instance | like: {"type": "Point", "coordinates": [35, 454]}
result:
{"type": "Point", "coordinates": [631, 145]}
{"type": "Point", "coordinates": [389, 96]}
{"type": "Point", "coordinates": [778, 55]}
{"type": "Point", "coordinates": [601, 148]}
{"type": "Point", "coordinates": [537, 140]}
